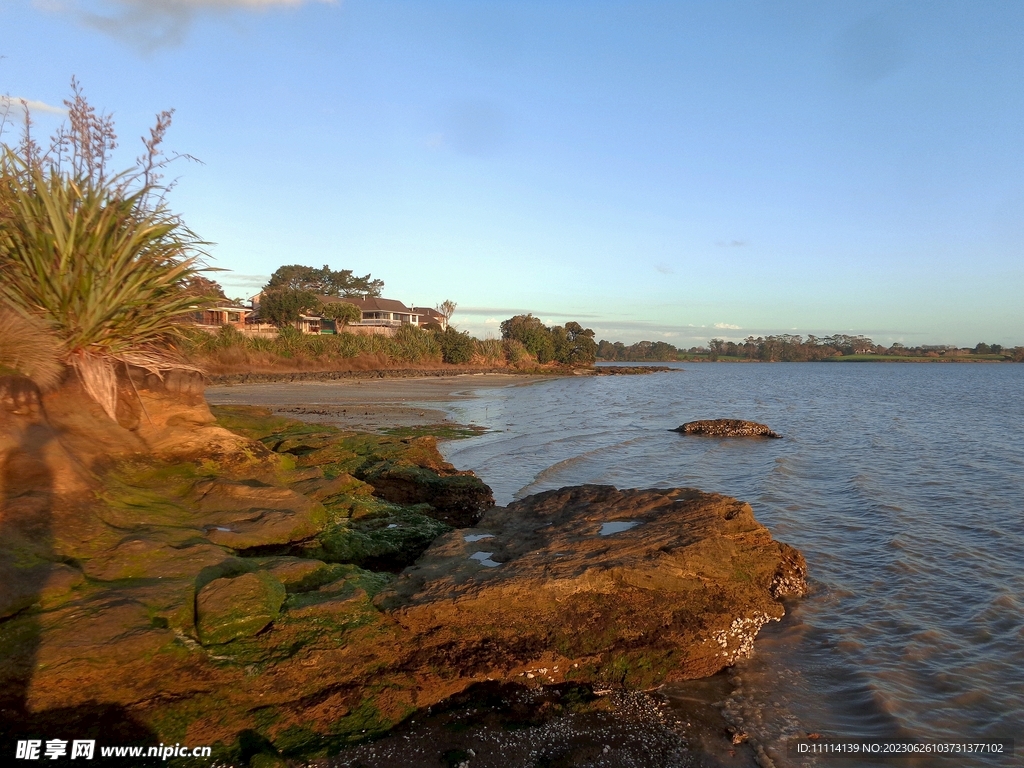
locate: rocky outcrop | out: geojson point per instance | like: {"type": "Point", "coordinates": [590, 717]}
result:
{"type": "Point", "coordinates": [254, 590]}
{"type": "Point", "coordinates": [601, 585]}
{"type": "Point", "coordinates": [726, 428]}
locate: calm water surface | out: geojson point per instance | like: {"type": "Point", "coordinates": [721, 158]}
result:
{"type": "Point", "coordinates": [903, 485]}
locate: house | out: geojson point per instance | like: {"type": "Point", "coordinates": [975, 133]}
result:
{"type": "Point", "coordinates": [428, 315]}
{"type": "Point", "coordinates": [221, 314]}
{"type": "Point", "coordinates": [377, 316]}
{"type": "Point", "coordinates": [377, 313]}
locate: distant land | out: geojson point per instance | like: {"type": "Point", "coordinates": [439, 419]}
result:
{"type": "Point", "coordinates": [795, 348]}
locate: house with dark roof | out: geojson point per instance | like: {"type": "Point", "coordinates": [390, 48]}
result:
{"type": "Point", "coordinates": [377, 312]}
{"type": "Point", "coordinates": [428, 315]}
{"type": "Point", "coordinates": [376, 316]}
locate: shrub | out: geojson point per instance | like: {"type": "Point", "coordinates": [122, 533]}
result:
{"type": "Point", "coordinates": [490, 350]}
{"type": "Point", "coordinates": [456, 348]}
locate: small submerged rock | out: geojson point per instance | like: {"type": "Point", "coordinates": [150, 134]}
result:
{"type": "Point", "coordinates": [726, 428]}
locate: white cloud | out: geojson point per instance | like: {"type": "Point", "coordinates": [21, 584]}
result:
{"type": "Point", "coordinates": [149, 24]}
{"type": "Point", "coordinates": [728, 326]}
{"type": "Point", "coordinates": [15, 103]}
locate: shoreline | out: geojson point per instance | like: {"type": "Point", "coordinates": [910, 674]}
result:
{"type": "Point", "coordinates": [367, 404]}
{"type": "Point", "coordinates": [272, 377]}
{"type": "Point", "coordinates": [677, 728]}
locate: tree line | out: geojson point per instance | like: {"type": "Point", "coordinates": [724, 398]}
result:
{"type": "Point", "coordinates": [790, 348]}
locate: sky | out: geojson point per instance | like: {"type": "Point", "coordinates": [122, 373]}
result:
{"type": "Point", "coordinates": [670, 171]}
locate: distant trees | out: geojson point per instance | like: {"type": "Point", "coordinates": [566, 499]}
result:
{"type": "Point", "coordinates": [988, 349]}
{"type": "Point", "coordinates": [324, 281]}
{"type": "Point", "coordinates": [642, 351]}
{"type": "Point", "coordinates": [786, 347]}
{"type": "Point", "coordinates": [571, 344]}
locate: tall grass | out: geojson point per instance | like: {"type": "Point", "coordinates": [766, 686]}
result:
{"type": "Point", "coordinates": [228, 350]}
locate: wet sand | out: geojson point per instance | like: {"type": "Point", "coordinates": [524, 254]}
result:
{"type": "Point", "coordinates": [365, 405]}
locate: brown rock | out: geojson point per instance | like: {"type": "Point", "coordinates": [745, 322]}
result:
{"type": "Point", "coordinates": [45, 583]}
{"type": "Point", "coordinates": [227, 609]}
{"type": "Point", "coordinates": [294, 572]}
{"type": "Point", "coordinates": [726, 428]}
{"type": "Point", "coordinates": [676, 587]}
{"type": "Point", "coordinates": [243, 515]}
{"type": "Point", "coordinates": [137, 558]}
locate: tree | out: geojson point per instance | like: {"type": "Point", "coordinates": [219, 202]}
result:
{"type": "Point", "coordinates": [570, 345]}
{"type": "Point", "coordinates": [575, 345]}
{"type": "Point", "coordinates": [446, 309]}
{"type": "Point", "coordinates": [341, 312]}
{"type": "Point", "coordinates": [532, 334]}
{"type": "Point", "coordinates": [324, 281]}
{"type": "Point", "coordinates": [204, 288]}
{"type": "Point", "coordinates": [284, 306]}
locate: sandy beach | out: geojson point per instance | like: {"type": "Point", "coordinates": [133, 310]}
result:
{"type": "Point", "coordinates": [365, 404]}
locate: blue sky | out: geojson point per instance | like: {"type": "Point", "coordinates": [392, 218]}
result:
{"type": "Point", "coordinates": [666, 171]}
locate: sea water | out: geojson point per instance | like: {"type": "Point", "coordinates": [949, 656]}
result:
{"type": "Point", "coordinates": [902, 484]}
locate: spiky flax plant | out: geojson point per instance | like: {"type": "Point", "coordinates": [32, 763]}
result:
{"type": "Point", "coordinates": [99, 263]}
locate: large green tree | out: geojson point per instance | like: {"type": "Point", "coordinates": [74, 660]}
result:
{"type": "Point", "coordinates": [574, 345]}
{"type": "Point", "coordinates": [283, 306]}
{"type": "Point", "coordinates": [324, 281]}
{"type": "Point", "coordinates": [570, 345]}
{"type": "Point", "coordinates": [532, 334]}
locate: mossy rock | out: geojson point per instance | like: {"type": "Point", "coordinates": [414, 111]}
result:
{"type": "Point", "coordinates": [228, 609]}
{"type": "Point", "coordinates": [142, 558]}
{"type": "Point", "coordinates": [298, 574]}
{"type": "Point", "coordinates": [389, 539]}
{"type": "Point", "coordinates": [458, 499]}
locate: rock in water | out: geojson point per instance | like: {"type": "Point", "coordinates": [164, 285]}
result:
{"type": "Point", "coordinates": [726, 428]}
{"type": "Point", "coordinates": [556, 593]}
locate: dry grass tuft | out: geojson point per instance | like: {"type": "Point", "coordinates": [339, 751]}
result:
{"type": "Point", "coordinates": [29, 349]}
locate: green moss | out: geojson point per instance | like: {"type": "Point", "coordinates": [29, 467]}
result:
{"type": "Point", "coordinates": [439, 431]}
{"type": "Point", "coordinates": [383, 536]}
{"type": "Point", "coordinates": [250, 421]}
{"type": "Point", "coordinates": [229, 609]}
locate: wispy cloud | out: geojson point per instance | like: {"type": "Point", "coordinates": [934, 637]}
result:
{"type": "Point", "coordinates": [732, 243]}
{"type": "Point", "coordinates": [150, 24]}
{"type": "Point", "coordinates": [11, 103]}
{"type": "Point", "coordinates": [510, 311]}
{"type": "Point", "coordinates": [729, 326]}
{"type": "Point", "coordinates": [235, 283]}
{"type": "Point", "coordinates": [665, 269]}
